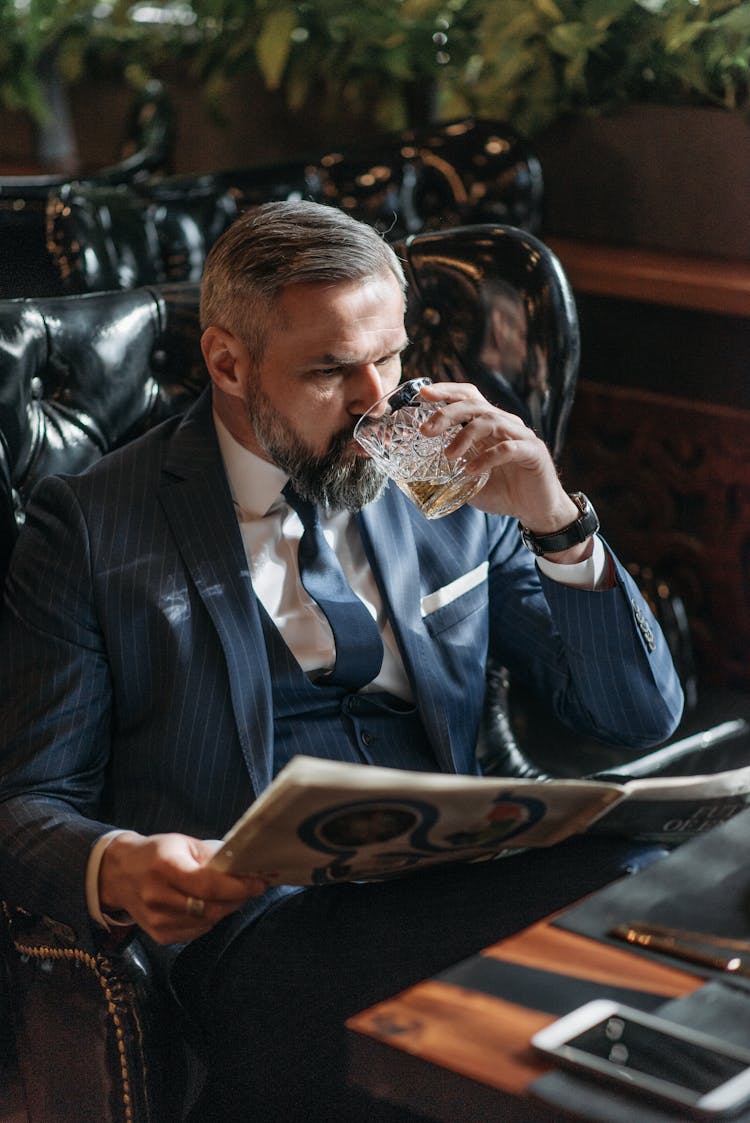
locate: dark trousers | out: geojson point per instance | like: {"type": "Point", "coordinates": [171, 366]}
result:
{"type": "Point", "coordinates": [274, 1030]}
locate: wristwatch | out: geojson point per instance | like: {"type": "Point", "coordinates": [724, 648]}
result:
{"type": "Point", "coordinates": [585, 525]}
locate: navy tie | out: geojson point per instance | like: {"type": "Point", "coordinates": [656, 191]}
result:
{"type": "Point", "coordinates": [359, 648]}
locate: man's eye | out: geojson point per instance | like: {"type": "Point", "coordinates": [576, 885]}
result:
{"type": "Point", "coordinates": [388, 359]}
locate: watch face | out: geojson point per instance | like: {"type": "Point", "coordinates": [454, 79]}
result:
{"type": "Point", "coordinates": [530, 542]}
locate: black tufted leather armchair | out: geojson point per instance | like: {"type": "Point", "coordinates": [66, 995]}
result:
{"type": "Point", "coordinates": [466, 171]}
{"type": "Point", "coordinates": [78, 377]}
{"type": "Point", "coordinates": [107, 237]}
{"type": "Point", "coordinates": [491, 305]}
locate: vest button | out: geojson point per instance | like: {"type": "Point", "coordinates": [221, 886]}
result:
{"type": "Point", "coordinates": [367, 738]}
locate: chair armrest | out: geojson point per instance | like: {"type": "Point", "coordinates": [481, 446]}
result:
{"type": "Point", "coordinates": [95, 1034]}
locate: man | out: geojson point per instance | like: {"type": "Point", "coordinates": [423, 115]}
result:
{"type": "Point", "coordinates": [512, 366]}
{"type": "Point", "coordinates": [161, 662]}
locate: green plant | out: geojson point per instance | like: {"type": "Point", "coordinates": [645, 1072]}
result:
{"type": "Point", "coordinates": [525, 61]}
{"type": "Point", "coordinates": [540, 59]}
{"type": "Point", "coordinates": [368, 57]}
{"type": "Point", "coordinates": [29, 31]}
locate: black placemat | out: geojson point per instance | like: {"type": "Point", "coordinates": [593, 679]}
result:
{"type": "Point", "coordinates": [721, 1009]}
{"type": "Point", "coordinates": [536, 989]}
{"type": "Point", "coordinates": [704, 885]}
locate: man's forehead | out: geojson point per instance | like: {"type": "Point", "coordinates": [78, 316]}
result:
{"type": "Point", "coordinates": [325, 291]}
{"type": "Point", "coordinates": [341, 312]}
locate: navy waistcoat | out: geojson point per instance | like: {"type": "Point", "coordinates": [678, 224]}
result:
{"type": "Point", "coordinates": [317, 719]}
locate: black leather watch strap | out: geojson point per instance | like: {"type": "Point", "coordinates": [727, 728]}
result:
{"type": "Point", "coordinates": [584, 526]}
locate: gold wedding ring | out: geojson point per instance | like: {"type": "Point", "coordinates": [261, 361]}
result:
{"type": "Point", "coordinates": [196, 906]}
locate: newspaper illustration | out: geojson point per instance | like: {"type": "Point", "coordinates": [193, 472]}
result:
{"type": "Point", "coordinates": [322, 822]}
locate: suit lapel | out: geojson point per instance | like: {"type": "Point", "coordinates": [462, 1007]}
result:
{"type": "Point", "coordinates": [391, 550]}
{"type": "Point", "coordinates": [198, 506]}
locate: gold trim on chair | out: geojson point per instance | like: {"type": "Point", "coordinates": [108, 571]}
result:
{"type": "Point", "coordinates": [119, 1005]}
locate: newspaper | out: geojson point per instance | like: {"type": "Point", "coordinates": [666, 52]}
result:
{"type": "Point", "coordinates": [321, 821]}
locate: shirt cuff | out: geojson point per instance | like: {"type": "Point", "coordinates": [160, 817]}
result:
{"type": "Point", "coordinates": [593, 573]}
{"type": "Point", "coordinates": [122, 919]}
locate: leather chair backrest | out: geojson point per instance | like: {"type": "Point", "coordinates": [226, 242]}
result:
{"type": "Point", "coordinates": [86, 1037]}
{"type": "Point", "coordinates": [81, 375]}
{"type": "Point", "coordinates": [126, 236]}
{"type": "Point", "coordinates": [491, 305]}
{"type": "Point", "coordinates": [146, 146]}
{"type": "Point", "coordinates": [149, 137]}
{"type": "Point", "coordinates": [160, 230]}
{"type": "Point", "coordinates": [461, 172]}
{"type": "Point", "coordinates": [26, 266]}
{"type": "Point", "coordinates": [119, 237]}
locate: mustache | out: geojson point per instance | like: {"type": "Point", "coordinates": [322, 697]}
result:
{"type": "Point", "coordinates": [338, 444]}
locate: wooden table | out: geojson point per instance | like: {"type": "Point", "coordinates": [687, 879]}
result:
{"type": "Point", "coordinates": [460, 1055]}
{"type": "Point", "coordinates": [456, 1047]}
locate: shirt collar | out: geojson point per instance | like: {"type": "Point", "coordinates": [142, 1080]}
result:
{"type": "Point", "coordinates": [255, 483]}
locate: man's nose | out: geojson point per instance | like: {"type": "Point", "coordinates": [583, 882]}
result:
{"type": "Point", "coordinates": [368, 386]}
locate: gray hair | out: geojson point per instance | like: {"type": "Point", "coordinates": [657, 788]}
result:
{"type": "Point", "coordinates": [276, 245]}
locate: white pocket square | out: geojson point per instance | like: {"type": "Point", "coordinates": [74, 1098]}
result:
{"type": "Point", "coordinates": [433, 601]}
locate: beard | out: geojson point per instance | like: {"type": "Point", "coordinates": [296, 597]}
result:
{"type": "Point", "coordinates": [336, 480]}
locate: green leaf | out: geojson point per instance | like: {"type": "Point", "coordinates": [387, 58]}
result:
{"type": "Point", "coordinates": [735, 21]}
{"type": "Point", "coordinates": [390, 111]}
{"type": "Point", "coordinates": [683, 36]}
{"type": "Point", "coordinates": [274, 44]}
{"type": "Point", "coordinates": [574, 39]}
{"type": "Point", "coordinates": [420, 9]}
{"type": "Point", "coordinates": [603, 13]}
{"type": "Point", "coordinates": [297, 88]}
{"type": "Point", "coordinates": [523, 25]}
{"type": "Point", "coordinates": [549, 9]}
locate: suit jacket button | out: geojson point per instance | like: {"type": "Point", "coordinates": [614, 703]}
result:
{"type": "Point", "coordinates": [644, 627]}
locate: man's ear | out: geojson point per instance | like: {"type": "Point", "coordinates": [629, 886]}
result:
{"type": "Point", "coordinates": [227, 360]}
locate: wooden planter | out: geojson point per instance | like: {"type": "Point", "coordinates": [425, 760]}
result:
{"type": "Point", "coordinates": [670, 177]}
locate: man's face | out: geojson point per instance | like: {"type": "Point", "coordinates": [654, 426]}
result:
{"type": "Point", "coordinates": [331, 352]}
{"type": "Point", "coordinates": [511, 329]}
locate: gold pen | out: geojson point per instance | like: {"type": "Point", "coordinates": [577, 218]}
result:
{"type": "Point", "coordinates": [657, 938]}
{"type": "Point", "coordinates": [708, 939]}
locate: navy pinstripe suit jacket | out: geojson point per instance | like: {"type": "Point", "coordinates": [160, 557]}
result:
{"type": "Point", "coordinates": [135, 686]}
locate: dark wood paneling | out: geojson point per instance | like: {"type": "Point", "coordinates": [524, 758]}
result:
{"type": "Point", "coordinates": [671, 481]}
{"type": "Point", "coordinates": [687, 354]}
{"type": "Point", "coordinates": [660, 432]}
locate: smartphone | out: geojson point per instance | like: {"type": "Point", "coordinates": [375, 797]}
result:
{"type": "Point", "coordinates": [651, 1056]}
